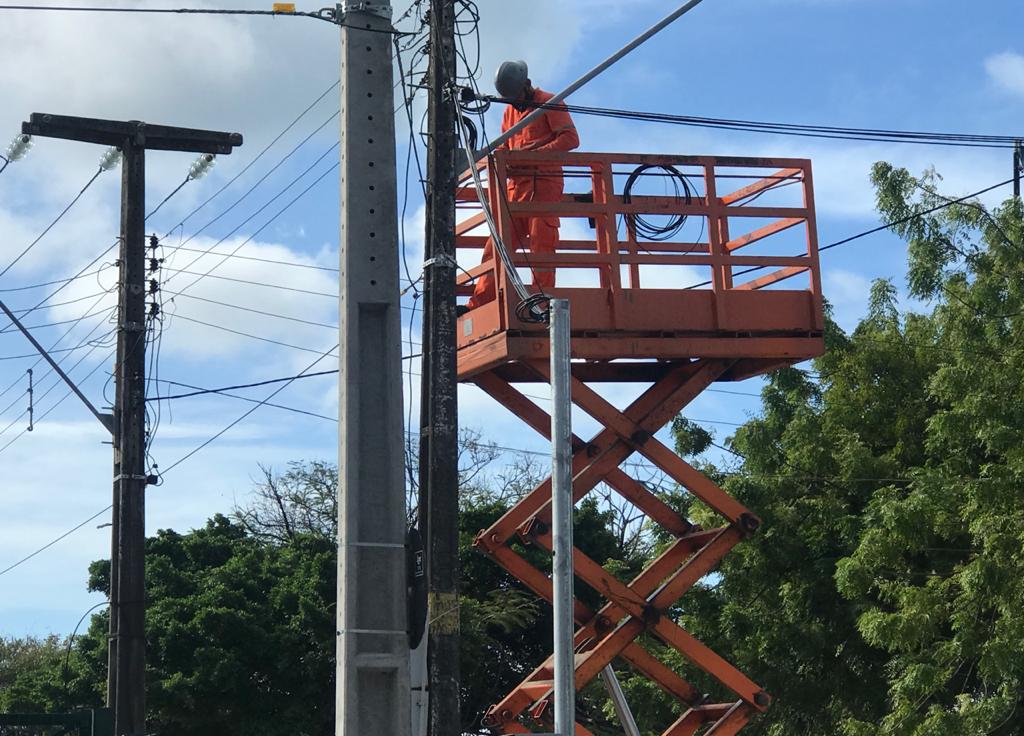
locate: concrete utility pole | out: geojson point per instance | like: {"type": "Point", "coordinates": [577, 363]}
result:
{"type": "Point", "coordinates": [373, 645]}
{"type": "Point", "coordinates": [126, 680]}
{"type": "Point", "coordinates": [561, 517]}
{"type": "Point", "coordinates": [439, 426]}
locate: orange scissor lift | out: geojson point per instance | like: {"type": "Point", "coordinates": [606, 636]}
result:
{"type": "Point", "coordinates": [641, 314]}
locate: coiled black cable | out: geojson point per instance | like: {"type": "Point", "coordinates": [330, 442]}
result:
{"type": "Point", "coordinates": [535, 309]}
{"type": "Point", "coordinates": [645, 228]}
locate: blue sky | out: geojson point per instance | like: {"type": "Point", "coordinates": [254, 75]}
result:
{"type": "Point", "coordinates": [907, 64]}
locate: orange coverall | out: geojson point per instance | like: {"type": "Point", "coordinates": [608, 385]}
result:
{"type": "Point", "coordinates": [551, 131]}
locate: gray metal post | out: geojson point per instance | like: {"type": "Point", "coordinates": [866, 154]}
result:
{"type": "Point", "coordinates": [611, 684]}
{"type": "Point", "coordinates": [1018, 163]}
{"type": "Point", "coordinates": [373, 647]}
{"type": "Point", "coordinates": [561, 518]}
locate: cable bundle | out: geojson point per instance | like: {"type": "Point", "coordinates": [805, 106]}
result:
{"type": "Point", "coordinates": [649, 230]}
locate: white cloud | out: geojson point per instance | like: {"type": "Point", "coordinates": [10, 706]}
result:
{"type": "Point", "coordinates": [1006, 70]}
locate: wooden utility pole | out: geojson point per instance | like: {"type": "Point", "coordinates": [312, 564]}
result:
{"type": "Point", "coordinates": [126, 694]}
{"type": "Point", "coordinates": [439, 426]}
{"type": "Point", "coordinates": [373, 689]}
{"type": "Point", "coordinates": [127, 573]}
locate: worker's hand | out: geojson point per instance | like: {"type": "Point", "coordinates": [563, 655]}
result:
{"type": "Point", "coordinates": [536, 145]}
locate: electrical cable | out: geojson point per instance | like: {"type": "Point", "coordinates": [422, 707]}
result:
{"type": "Point", "coordinates": [251, 189]}
{"type": "Point", "coordinates": [246, 334]}
{"type": "Point", "coordinates": [53, 346]}
{"type": "Point", "coordinates": [255, 283]}
{"type": "Point", "coordinates": [54, 222]}
{"type": "Point", "coordinates": [26, 356]}
{"type": "Point", "coordinates": [271, 261]}
{"type": "Point", "coordinates": [272, 219]}
{"type": "Point", "coordinates": [252, 310]}
{"type": "Point", "coordinates": [12, 328]}
{"type": "Point", "coordinates": [412, 151]}
{"type": "Point", "coordinates": [258, 156]}
{"type": "Point", "coordinates": [203, 391]}
{"type": "Point", "coordinates": [872, 231]}
{"type": "Point", "coordinates": [274, 393]}
{"type": "Point", "coordinates": [50, 283]}
{"type": "Point", "coordinates": [295, 121]}
{"type": "Point", "coordinates": [971, 140]}
{"type": "Point", "coordinates": [326, 14]}
{"type": "Point", "coordinates": [64, 304]}
{"type": "Point", "coordinates": [47, 546]}
{"type": "Point", "coordinates": [675, 223]}
{"type": "Point", "coordinates": [533, 311]}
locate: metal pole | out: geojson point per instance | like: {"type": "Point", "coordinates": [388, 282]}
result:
{"type": "Point", "coordinates": [372, 693]}
{"type": "Point", "coordinates": [638, 41]}
{"type": "Point", "coordinates": [441, 397]}
{"type": "Point", "coordinates": [611, 684]}
{"type": "Point", "coordinates": [128, 608]}
{"type": "Point", "coordinates": [1018, 163]}
{"type": "Point", "coordinates": [561, 518]}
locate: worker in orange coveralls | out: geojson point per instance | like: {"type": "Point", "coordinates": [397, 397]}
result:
{"type": "Point", "coordinates": [552, 130]}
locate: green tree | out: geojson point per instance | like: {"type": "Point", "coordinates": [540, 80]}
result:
{"type": "Point", "coordinates": [938, 567]}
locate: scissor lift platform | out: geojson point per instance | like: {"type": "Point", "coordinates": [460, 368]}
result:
{"type": "Point", "coordinates": [736, 294]}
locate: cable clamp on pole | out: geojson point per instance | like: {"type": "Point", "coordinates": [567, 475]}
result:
{"type": "Point", "coordinates": [130, 476]}
{"type": "Point", "coordinates": [384, 10]}
{"type": "Point", "coordinates": [442, 260]}
{"type": "Point", "coordinates": [132, 326]}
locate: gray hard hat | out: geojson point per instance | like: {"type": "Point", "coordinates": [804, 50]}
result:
{"type": "Point", "coordinates": [511, 78]}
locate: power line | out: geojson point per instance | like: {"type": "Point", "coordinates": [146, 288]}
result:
{"type": "Point", "coordinates": [11, 328]}
{"type": "Point", "coordinates": [69, 301]}
{"type": "Point", "coordinates": [47, 546]}
{"type": "Point", "coordinates": [255, 283]}
{"type": "Point", "coordinates": [274, 393]}
{"type": "Point", "coordinates": [914, 216]}
{"type": "Point", "coordinates": [971, 140]}
{"type": "Point", "coordinates": [52, 349]}
{"type": "Point", "coordinates": [258, 156]}
{"type": "Point", "coordinates": [253, 188]}
{"type": "Point", "coordinates": [251, 310]}
{"type": "Point", "coordinates": [54, 222]}
{"type": "Point", "coordinates": [167, 199]}
{"type": "Point", "coordinates": [872, 231]}
{"type": "Point", "coordinates": [51, 283]}
{"type": "Point", "coordinates": [246, 334]}
{"type": "Point", "coordinates": [26, 356]}
{"type": "Point", "coordinates": [202, 391]}
{"type": "Point", "coordinates": [82, 272]}
{"type": "Point", "coordinates": [327, 14]}
{"type": "Point", "coordinates": [280, 212]}
{"type": "Point", "coordinates": [272, 261]}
